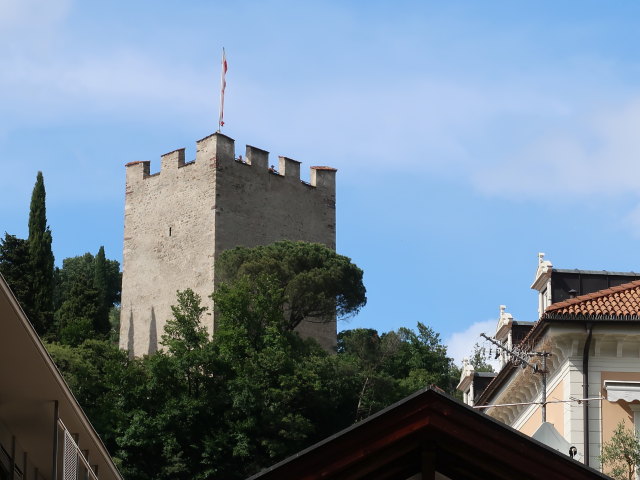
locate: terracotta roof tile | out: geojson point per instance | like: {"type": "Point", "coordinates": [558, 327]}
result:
{"type": "Point", "coordinates": [321, 167]}
{"type": "Point", "coordinates": [620, 301]}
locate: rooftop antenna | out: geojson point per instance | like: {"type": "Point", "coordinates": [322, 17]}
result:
{"type": "Point", "coordinates": [521, 358]}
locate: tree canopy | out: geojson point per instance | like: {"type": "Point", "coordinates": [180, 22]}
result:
{"type": "Point", "coordinates": [87, 288]}
{"type": "Point", "coordinates": [228, 406]}
{"type": "Point", "coordinates": [15, 267]}
{"type": "Point", "coordinates": [314, 280]}
{"type": "Point", "coordinates": [68, 304]}
{"type": "Point", "coordinates": [480, 359]}
{"type": "Point", "coordinates": [621, 454]}
{"type": "Point", "coordinates": [392, 365]}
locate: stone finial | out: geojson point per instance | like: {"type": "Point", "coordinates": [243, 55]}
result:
{"type": "Point", "coordinates": [504, 323]}
{"type": "Point", "coordinates": [543, 273]}
{"type": "Point", "coordinates": [504, 316]}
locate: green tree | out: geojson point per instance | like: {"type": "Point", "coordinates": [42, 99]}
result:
{"type": "Point", "coordinates": [366, 353]}
{"type": "Point", "coordinates": [101, 284]}
{"type": "Point", "coordinates": [479, 359]}
{"type": "Point", "coordinates": [421, 360]}
{"type": "Point", "coordinates": [174, 416]}
{"type": "Point", "coordinates": [393, 365]}
{"type": "Point", "coordinates": [101, 273]}
{"type": "Point", "coordinates": [285, 392]}
{"type": "Point", "coordinates": [213, 408]}
{"type": "Point", "coordinates": [621, 455]}
{"type": "Point", "coordinates": [114, 322]}
{"type": "Point", "coordinates": [185, 338]}
{"type": "Point", "coordinates": [228, 406]}
{"type": "Point", "coordinates": [184, 332]}
{"type": "Point", "coordinates": [87, 289]}
{"type": "Point", "coordinates": [314, 281]}
{"type": "Point", "coordinates": [40, 308]}
{"type": "Point", "coordinates": [97, 372]}
{"type": "Point", "coordinates": [76, 316]}
{"type": "Point", "coordinates": [15, 267]}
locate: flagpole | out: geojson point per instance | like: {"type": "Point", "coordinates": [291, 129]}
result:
{"type": "Point", "coordinates": [223, 84]}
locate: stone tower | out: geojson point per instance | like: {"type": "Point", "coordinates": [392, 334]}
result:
{"type": "Point", "coordinates": [178, 221]}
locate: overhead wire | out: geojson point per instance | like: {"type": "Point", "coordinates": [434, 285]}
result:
{"type": "Point", "coordinates": [578, 400]}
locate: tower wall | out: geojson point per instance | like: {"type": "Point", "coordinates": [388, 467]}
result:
{"type": "Point", "coordinates": [179, 220]}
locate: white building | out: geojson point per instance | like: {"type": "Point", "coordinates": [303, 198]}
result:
{"type": "Point", "coordinates": [589, 323]}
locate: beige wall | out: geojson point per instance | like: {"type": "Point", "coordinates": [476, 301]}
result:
{"type": "Point", "coordinates": [156, 262]}
{"type": "Point", "coordinates": [178, 221]}
{"type": "Point", "coordinates": [615, 412]}
{"type": "Point", "coordinates": [555, 413]}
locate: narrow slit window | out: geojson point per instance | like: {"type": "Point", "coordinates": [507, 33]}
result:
{"type": "Point", "coordinates": [169, 231]}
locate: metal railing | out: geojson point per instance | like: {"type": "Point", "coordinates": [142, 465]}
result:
{"type": "Point", "coordinates": [15, 462]}
{"type": "Point", "coordinates": [74, 464]}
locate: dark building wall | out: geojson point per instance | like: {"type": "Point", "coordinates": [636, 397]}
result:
{"type": "Point", "coordinates": [583, 282]}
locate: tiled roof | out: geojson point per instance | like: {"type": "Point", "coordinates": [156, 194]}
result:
{"type": "Point", "coordinates": [620, 301]}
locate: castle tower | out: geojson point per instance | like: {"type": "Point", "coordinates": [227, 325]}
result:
{"type": "Point", "coordinates": [179, 220]}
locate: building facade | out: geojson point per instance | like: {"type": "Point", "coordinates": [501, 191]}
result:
{"type": "Point", "coordinates": [179, 220]}
{"type": "Point", "coordinates": [44, 434]}
{"type": "Point", "coordinates": [589, 329]}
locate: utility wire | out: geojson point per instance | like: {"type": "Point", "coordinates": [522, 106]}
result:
{"type": "Point", "coordinates": [578, 400]}
{"type": "Point", "coordinates": [524, 362]}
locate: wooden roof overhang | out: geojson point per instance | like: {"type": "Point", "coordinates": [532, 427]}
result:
{"type": "Point", "coordinates": [30, 384]}
{"type": "Point", "coordinates": [430, 436]}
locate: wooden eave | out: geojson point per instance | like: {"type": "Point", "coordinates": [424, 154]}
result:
{"type": "Point", "coordinates": [432, 435]}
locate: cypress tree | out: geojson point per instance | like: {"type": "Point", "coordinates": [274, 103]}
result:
{"type": "Point", "coordinates": [100, 283]}
{"type": "Point", "coordinates": [41, 260]}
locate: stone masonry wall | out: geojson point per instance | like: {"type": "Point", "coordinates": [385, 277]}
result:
{"type": "Point", "coordinates": [177, 222]}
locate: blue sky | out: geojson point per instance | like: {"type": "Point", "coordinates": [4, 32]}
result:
{"type": "Point", "coordinates": [468, 135]}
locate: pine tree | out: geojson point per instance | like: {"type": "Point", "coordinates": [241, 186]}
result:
{"type": "Point", "coordinates": [40, 310]}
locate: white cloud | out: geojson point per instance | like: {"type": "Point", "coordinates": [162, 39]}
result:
{"type": "Point", "coordinates": [52, 73]}
{"type": "Point", "coordinates": [522, 136]}
{"type": "Point", "coordinates": [597, 154]}
{"type": "Point", "coordinates": [34, 15]}
{"type": "Point", "coordinates": [460, 344]}
{"type": "Point", "coordinates": [120, 81]}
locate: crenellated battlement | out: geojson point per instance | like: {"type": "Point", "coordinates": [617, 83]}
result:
{"type": "Point", "coordinates": [217, 151]}
{"type": "Point", "coordinates": [178, 220]}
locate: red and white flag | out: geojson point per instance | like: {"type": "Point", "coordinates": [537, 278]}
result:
{"type": "Point", "coordinates": [223, 84]}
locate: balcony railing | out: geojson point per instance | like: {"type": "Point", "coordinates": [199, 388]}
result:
{"type": "Point", "coordinates": [74, 464]}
